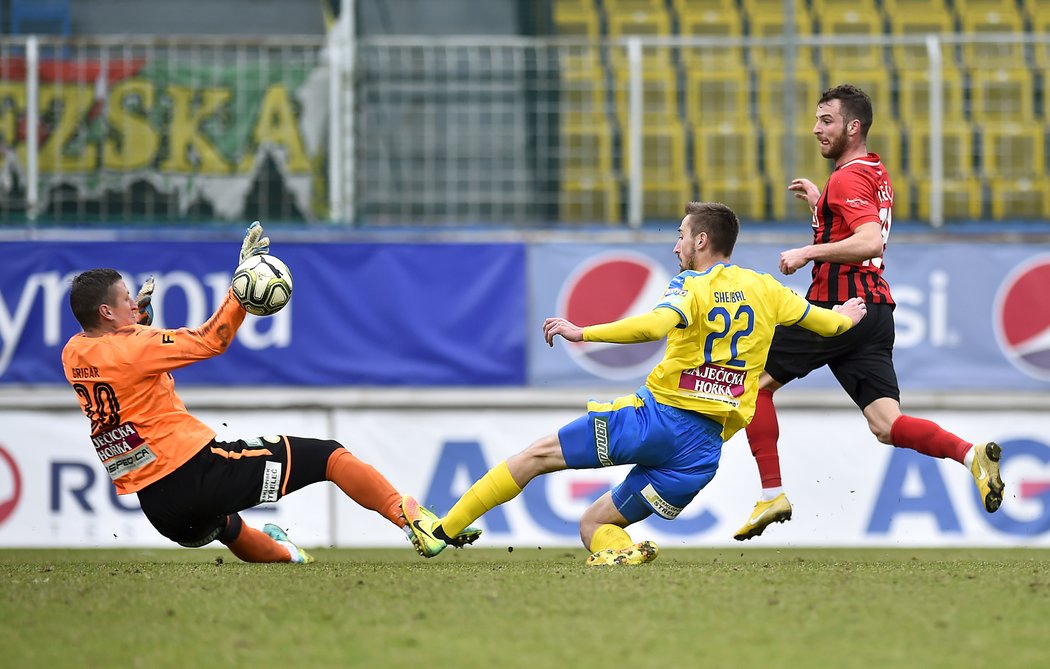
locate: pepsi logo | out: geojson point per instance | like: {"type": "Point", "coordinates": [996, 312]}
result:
{"type": "Point", "coordinates": [10, 485]}
{"type": "Point", "coordinates": [606, 288]}
{"type": "Point", "coordinates": [1022, 318]}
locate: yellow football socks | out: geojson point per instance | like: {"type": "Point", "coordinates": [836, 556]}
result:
{"type": "Point", "coordinates": [493, 489]}
{"type": "Point", "coordinates": [610, 536]}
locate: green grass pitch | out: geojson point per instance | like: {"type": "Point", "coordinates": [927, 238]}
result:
{"type": "Point", "coordinates": [530, 607]}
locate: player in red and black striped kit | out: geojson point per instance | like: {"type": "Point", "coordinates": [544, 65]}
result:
{"type": "Point", "coordinates": [851, 223]}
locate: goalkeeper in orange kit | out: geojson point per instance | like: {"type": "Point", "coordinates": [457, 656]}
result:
{"type": "Point", "coordinates": [192, 487]}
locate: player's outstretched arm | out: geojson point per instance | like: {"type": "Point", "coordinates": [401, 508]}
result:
{"type": "Point", "coordinates": [835, 321]}
{"type": "Point", "coordinates": [632, 330]}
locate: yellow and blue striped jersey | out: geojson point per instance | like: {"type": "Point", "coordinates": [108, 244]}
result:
{"type": "Point", "coordinates": [718, 349]}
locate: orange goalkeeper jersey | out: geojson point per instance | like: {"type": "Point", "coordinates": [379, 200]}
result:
{"type": "Point", "coordinates": [140, 428]}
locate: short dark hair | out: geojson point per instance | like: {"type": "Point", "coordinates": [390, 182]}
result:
{"type": "Point", "coordinates": [718, 221]}
{"type": "Point", "coordinates": [89, 291]}
{"type": "Point", "coordinates": [855, 104]}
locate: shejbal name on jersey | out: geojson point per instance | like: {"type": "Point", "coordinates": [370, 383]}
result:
{"type": "Point", "coordinates": [729, 296]}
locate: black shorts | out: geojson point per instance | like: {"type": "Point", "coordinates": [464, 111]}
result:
{"type": "Point", "coordinates": [190, 506]}
{"type": "Point", "coordinates": [861, 359]}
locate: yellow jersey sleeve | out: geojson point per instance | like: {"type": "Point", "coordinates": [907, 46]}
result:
{"type": "Point", "coordinates": [635, 329]}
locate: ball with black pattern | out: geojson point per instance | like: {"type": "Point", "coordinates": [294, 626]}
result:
{"type": "Point", "coordinates": [262, 284]}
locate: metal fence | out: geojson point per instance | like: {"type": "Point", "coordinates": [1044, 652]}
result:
{"type": "Point", "coordinates": [507, 132]}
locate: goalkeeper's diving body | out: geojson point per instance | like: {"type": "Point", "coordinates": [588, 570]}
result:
{"type": "Point", "coordinates": [719, 320]}
{"type": "Point", "coordinates": [191, 486]}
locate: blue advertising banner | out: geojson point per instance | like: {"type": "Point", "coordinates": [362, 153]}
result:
{"type": "Point", "coordinates": [360, 314]}
{"type": "Point", "coordinates": [969, 316]}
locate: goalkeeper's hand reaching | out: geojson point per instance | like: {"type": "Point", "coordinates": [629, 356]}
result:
{"type": "Point", "coordinates": [254, 244]}
{"type": "Point", "coordinates": [144, 301]}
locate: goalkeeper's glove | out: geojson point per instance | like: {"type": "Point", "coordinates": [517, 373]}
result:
{"type": "Point", "coordinates": [145, 302]}
{"type": "Point", "coordinates": [254, 244]}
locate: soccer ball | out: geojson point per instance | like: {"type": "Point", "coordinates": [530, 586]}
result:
{"type": "Point", "coordinates": [262, 284]}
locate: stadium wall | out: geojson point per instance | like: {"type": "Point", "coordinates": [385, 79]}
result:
{"type": "Point", "coordinates": [847, 489]}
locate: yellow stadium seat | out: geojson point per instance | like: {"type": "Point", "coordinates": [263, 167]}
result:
{"type": "Point", "coordinates": [913, 87]}
{"type": "Point", "coordinates": [772, 97]}
{"type": "Point", "coordinates": [875, 82]}
{"type": "Point", "coordinates": [756, 8]}
{"type": "Point", "coordinates": [975, 6]}
{"type": "Point", "coordinates": [1019, 198]}
{"type": "Point", "coordinates": [917, 23]}
{"type": "Point", "coordinates": [902, 200]}
{"type": "Point", "coordinates": [663, 150]}
{"type": "Point", "coordinates": [576, 18]}
{"type": "Point", "coordinates": [583, 90]}
{"type": "Point", "coordinates": [665, 198]}
{"type": "Point", "coordinates": [996, 53]}
{"type": "Point", "coordinates": [1001, 96]}
{"type": "Point", "coordinates": [825, 6]}
{"type": "Point", "coordinates": [642, 23]}
{"type": "Point", "coordinates": [630, 6]}
{"type": "Point", "coordinates": [586, 149]}
{"type": "Point", "coordinates": [962, 199]}
{"type": "Point", "coordinates": [843, 21]}
{"type": "Point", "coordinates": [728, 151]}
{"type": "Point", "coordinates": [1013, 151]}
{"type": "Point", "coordinates": [1041, 50]}
{"type": "Point", "coordinates": [711, 21]}
{"type": "Point", "coordinates": [897, 7]}
{"type": "Point", "coordinates": [884, 138]}
{"type": "Point", "coordinates": [809, 164]}
{"type": "Point", "coordinates": [1034, 8]}
{"type": "Point", "coordinates": [957, 151]}
{"type": "Point", "coordinates": [747, 197]}
{"type": "Point", "coordinates": [719, 96]}
{"type": "Point", "coordinates": [683, 7]}
{"type": "Point", "coordinates": [768, 26]}
{"type": "Point", "coordinates": [590, 200]}
{"type": "Point", "coordinates": [659, 94]}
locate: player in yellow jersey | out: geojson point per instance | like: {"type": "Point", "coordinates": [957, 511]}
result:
{"type": "Point", "coordinates": [190, 486]}
{"type": "Point", "coordinates": [719, 320]}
